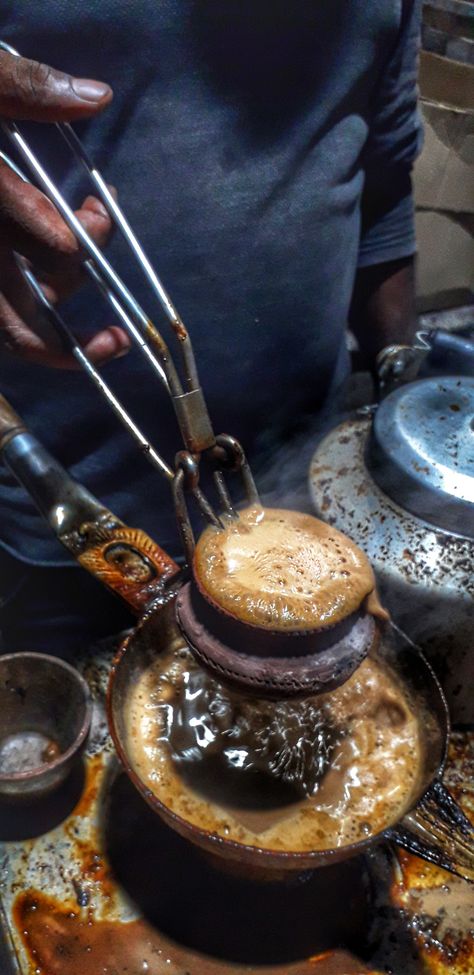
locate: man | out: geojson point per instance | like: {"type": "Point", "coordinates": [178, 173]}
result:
{"type": "Point", "coordinates": [263, 154]}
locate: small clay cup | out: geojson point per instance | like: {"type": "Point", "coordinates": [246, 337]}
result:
{"type": "Point", "coordinates": [45, 718]}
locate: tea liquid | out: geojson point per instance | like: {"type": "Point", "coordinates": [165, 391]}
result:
{"type": "Point", "coordinates": [292, 776]}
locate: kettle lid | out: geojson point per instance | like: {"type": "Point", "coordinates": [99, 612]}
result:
{"type": "Point", "coordinates": [421, 451]}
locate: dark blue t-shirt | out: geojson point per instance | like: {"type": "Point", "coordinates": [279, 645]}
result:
{"type": "Point", "coordinates": [240, 139]}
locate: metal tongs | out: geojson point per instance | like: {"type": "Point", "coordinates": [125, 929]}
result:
{"type": "Point", "coordinates": [223, 453]}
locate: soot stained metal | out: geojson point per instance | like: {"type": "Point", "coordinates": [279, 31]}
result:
{"type": "Point", "coordinates": [399, 480]}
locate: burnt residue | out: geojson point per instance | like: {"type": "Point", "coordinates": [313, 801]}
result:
{"type": "Point", "coordinates": [92, 879]}
{"type": "Point", "coordinates": [62, 940]}
{"type": "Point", "coordinates": [460, 771]}
{"type": "Point", "coordinates": [438, 910]}
{"type": "Point", "coordinates": [82, 894]}
{"type": "Point", "coordinates": [92, 785]}
{"type": "Point", "coordinates": [437, 907]}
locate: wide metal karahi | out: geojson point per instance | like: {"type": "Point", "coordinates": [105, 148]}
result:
{"type": "Point", "coordinates": [421, 451]}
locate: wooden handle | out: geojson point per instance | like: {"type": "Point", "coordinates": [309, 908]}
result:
{"type": "Point", "coordinates": [124, 559]}
{"type": "Point", "coordinates": [10, 423]}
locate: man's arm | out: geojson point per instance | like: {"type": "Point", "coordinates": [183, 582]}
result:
{"type": "Point", "coordinates": [383, 305]}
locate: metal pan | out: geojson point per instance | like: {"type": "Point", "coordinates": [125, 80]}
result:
{"type": "Point", "coordinates": [433, 827]}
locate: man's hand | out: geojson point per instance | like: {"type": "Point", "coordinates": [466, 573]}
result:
{"type": "Point", "coordinates": [31, 225]}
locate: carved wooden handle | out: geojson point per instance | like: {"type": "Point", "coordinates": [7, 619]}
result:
{"type": "Point", "coordinates": [124, 559]}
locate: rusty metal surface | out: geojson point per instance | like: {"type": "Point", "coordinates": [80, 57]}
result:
{"type": "Point", "coordinates": [426, 576]}
{"type": "Point", "coordinates": [101, 887]}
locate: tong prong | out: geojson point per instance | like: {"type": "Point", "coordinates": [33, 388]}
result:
{"type": "Point", "coordinates": [225, 498]}
{"type": "Point", "coordinates": [110, 295]}
{"type": "Point", "coordinates": [228, 455]}
{"type": "Point", "coordinates": [190, 407]}
{"type": "Point", "coordinates": [177, 479]}
{"type": "Point", "coordinates": [70, 342]}
{"type": "Point", "coordinates": [119, 218]}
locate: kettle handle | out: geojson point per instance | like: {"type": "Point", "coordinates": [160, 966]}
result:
{"type": "Point", "coordinates": [124, 559]}
{"type": "Point", "coordinates": [10, 423]}
{"type": "Point", "coordinates": [438, 831]}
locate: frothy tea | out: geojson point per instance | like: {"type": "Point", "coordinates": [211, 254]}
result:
{"type": "Point", "coordinates": [287, 776]}
{"type": "Point", "coordinates": [284, 570]}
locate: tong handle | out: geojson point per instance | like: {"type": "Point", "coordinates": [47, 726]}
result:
{"type": "Point", "coordinates": [123, 559]}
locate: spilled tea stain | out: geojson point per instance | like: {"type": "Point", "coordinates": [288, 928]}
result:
{"type": "Point", "coordinates": [61, 939]}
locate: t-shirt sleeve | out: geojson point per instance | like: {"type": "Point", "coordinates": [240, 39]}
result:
{"type": "Point", "coordinates": [395, 139]}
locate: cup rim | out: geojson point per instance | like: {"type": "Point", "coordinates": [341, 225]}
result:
{"type": "Point", "coordinates": [79, 739]}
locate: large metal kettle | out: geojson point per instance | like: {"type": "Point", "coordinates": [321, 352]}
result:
{"type": "Point", "coordinates": [399, 479]}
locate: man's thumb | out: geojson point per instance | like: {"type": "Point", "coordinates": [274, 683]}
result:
{"type": "Point", "coordinates": [30, 90]}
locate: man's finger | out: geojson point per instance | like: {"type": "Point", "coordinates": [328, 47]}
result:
{"type": "Point", "coordinates": [110, 343]}
{"type": "Point", "coordinates": [19, 340]}
{"type": "Point", "coordinates": [95, 219]}
{"type": "Point", "coordinates": [25, 333]}
{"type": "Point", "coordinates": [30, 90]}
{"type": "Point", "coordinates": [32, 226]}
{"type": "Point", "coordinates": [43, 347]}
{"type": "Point", "coordinates": [14, 292]}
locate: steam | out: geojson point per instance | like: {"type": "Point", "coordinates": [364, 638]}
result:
{"type": "Point", "coordinates": [282, 473]}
